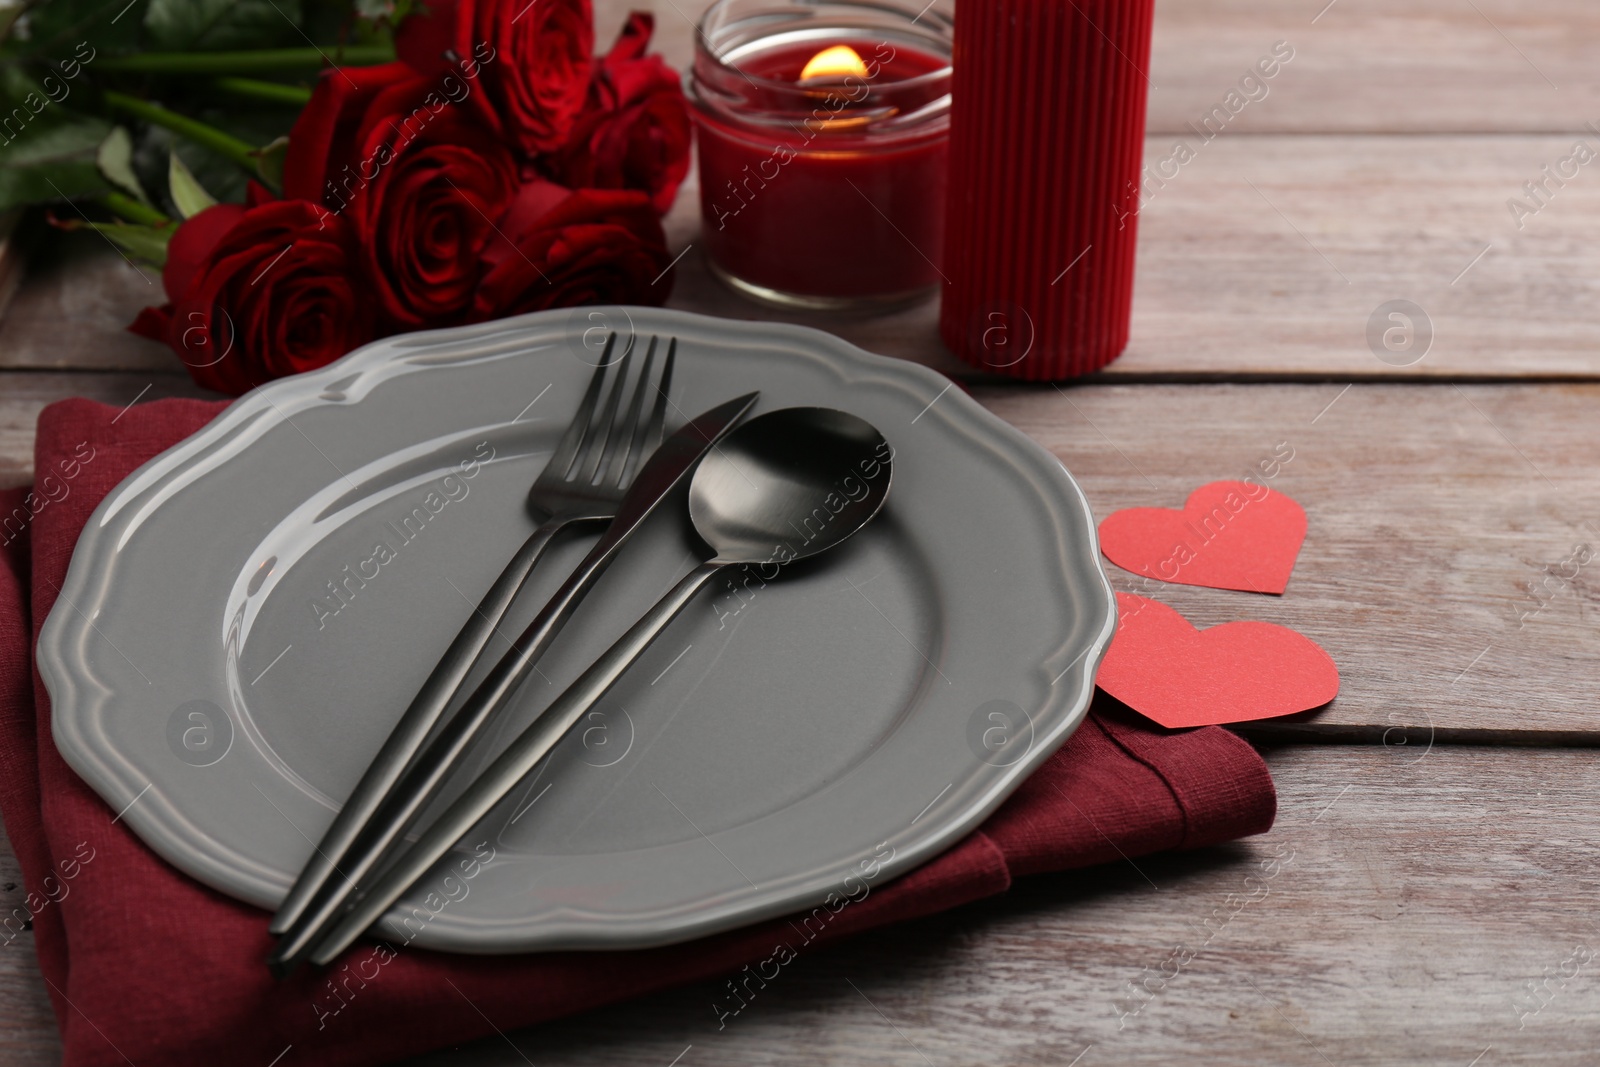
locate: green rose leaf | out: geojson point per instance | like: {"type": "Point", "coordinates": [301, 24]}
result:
{"type": "Point", "coordinates": [189, 195]}
{"type": "Point", "coordinates": [68, 31]}
{"type": "Point", "coordinates": [75, 137]}
{"type": "Point", "coordinates": [43, 183]}
{"type": "Point", "coordinates": [269, 163]}
{"type": "Point", "coordinates": [35, 127]}
{"type": "Point", "coordinates": [115, 160]}
{"type": "Point", "coordinates": [219, 25]}
{"type": "Point", "coordinates": [47, 150]}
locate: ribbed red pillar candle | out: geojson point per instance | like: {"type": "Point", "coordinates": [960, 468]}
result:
{"type": "Point", "coordinates": [1046, 143]}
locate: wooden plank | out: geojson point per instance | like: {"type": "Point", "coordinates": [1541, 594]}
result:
{"type": "Point", "coordinates": [72, 310]}
{"type": "Point", "coordinates": [1264, 257]}
{"type": "Point", "coordinates": [1413, 901]}
{"type": "Point", "coordinates": [1363, 66]}
{"type": "Point", "coordinates": [1492, 65]}
{"type": "Point", "coordinates": [28, 1035]}
{"type": "Point", "coordinates": [1417, 894]}
{"type": "Point", "coordinates": [1267, 257]}
{"type": "Point", "coordinates": [1432, 510]}
{"type": "Point", "coordinates": [1276, 258]}
{"type": "Point", "coordinates": [1427, 66]}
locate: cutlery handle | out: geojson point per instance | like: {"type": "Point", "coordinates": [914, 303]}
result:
{"type": "Point", "coordinates": [419, 782]}
{"type": "Point", "coordinates": [511, 766]}
{"type": "Point", "coordinates": [408, 734]}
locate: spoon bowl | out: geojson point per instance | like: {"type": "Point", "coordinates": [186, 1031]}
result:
{"type": "Point", "coordinates": [788, 485]}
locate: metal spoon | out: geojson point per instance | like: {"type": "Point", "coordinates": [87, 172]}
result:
{"type": "Point", "coordinates": [785, 486]}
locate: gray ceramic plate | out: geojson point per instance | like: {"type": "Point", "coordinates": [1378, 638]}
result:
{"type": "Point", "coordinates": [267, 595]}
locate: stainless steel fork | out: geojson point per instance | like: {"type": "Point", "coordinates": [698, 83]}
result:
{"type": "Point", "coordinates": [582, 484]}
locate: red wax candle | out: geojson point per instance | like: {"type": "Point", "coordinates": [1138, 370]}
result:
{"type": "Point", "coordinates": [824, 191]}
{"type": "Point", "coordinates": [1047, 132]}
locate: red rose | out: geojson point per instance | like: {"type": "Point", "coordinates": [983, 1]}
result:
{"type": "Point", "coordinates": [527, 61]}
{"type": "Point", "coordinates": [323, 160]}
{"type": "Point", "coordinates": [635, 132]}
{"type": "Point", "coordinates": [260, 292]}
{"type": "Point", "coordinates": [562, 248]}
{"type": "Point", "coordinates": [421, 181]}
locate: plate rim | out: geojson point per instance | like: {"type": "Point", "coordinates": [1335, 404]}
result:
{"type": "Point", "coordinates": [79, 699]}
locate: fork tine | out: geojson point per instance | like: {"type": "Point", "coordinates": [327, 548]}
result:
{"type": "Point", "coordinates": [597, 448]}
{"type": "Point", "coordinates": [567, 450]}
{"type": "Point", "coordinates": [658, 414]}
{"type": "Point", "coordinates": [628, 441]}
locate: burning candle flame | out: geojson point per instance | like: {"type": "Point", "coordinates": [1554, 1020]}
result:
{"type": "Point", "coordinates": [833, 64]}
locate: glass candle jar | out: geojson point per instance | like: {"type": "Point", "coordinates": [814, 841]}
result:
{"type": "Point", "coordinates": [823, 142]}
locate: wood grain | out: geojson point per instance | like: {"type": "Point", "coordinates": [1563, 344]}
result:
{"type": "Point", "coordinates": [1363, 66]}
{"type": "Point", "coordinates": [1415, 899]}
{"type": "Point", "coordinates": [1276, 256]}
{"type": "Point", "coordinates": [28, 1035]}
{"type": "Point", "coordinates": [72, 310]}
{"type": "Point", "coordinates": [1381, 66]}
{"type": "Point", "coordinates": [1265, 257]}
{"type": "Point", "coordinates": [1431, 508]}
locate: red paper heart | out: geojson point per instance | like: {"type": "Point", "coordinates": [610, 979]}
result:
{"type": "Point", "coordinates": [1229, 535]}
{"type": "Point", "coordinates": [1165, 669]}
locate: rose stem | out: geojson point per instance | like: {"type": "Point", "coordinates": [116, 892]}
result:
{"type": "Point", "coordinates": [223, 144]}
{"type": "Point", "coordinates": [272, 92]}
{"type": "Point", "coordinates": [254, 61]}
{"type": "Point", "coordinates": [134, 211]}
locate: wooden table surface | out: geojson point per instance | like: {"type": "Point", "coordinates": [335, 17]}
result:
{"type": "Point", "coordinates": [1440, 893]}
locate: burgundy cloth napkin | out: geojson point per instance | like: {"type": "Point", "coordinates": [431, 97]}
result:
{"type": "Point", "coordinates": [147, 966]}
